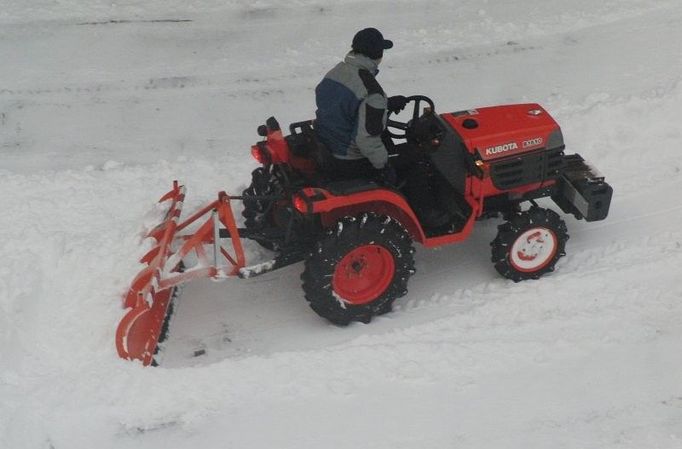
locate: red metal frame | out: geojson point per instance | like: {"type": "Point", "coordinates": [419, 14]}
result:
{"type": "Point", "coordinates": [150, 292]}
{"type": "Point", "coordinates": [525, 127]}
{"type": "Point", "coordinates": [388, 202]}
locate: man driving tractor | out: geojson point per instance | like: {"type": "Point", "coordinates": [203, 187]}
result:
{"type": "Point", "coordinates": [351, 118]}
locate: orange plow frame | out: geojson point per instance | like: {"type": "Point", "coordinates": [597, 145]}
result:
{"type": "Point", "coordinates": [151, 292]}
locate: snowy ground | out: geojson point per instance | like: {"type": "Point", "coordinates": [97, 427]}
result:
{"type": "Point", "coordinates": [103, 105]}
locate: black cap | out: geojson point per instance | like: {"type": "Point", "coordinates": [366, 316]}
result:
{"type": "Point", "coordinates": [371, 43]}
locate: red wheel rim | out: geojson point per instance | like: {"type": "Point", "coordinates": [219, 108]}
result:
{"type": "Point", "coordinates": [533, 250]}
{"type": "Point", "coordinates": [363, 274]}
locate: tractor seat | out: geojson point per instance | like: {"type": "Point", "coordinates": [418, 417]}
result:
{"type": "Point", "coordinates": [303, 143]}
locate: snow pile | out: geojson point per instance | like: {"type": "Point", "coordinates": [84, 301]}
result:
{"type": "Point", "coordinates": [587, 357]}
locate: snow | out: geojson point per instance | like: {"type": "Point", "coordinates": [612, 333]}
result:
{"type": "Point", "coordinates": [103, 104]}
{"type": "Point", "coordinates": [255, 270]}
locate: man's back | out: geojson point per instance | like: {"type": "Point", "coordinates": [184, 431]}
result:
{"type": "Point", "coordinates": [338, 97]}
{"type": "Point", "coordinates": [349, 130]}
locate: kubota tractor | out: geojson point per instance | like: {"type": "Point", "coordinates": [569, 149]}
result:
{"type": "Point", "coordinates": [356, 237]}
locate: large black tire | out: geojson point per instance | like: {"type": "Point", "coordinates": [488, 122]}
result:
{"type": "Point", "coordinates": [529, 244]}
{"type": "Point", "coordinates": [358, 269]}
{"type": "Point", "coordinates": [259, 214]}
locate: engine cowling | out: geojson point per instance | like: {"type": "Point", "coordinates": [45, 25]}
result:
{"type": "Point", "coordinates": [498, 132]}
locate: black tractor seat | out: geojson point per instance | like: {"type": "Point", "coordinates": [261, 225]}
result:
{"type": "Point", "coordinates": [304, 143]}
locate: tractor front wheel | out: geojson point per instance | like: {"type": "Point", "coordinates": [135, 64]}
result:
{"type": "Point", "coordinates": [358, 269]}
{"type": "Point", "coordinates": [529, 244]}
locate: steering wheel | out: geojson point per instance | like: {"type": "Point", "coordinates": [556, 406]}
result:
{"type": "Point", "coordinates": [404, 126]}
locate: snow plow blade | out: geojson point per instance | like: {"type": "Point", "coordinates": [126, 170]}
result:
{"type": "Point", "coordinates": [149, 298]}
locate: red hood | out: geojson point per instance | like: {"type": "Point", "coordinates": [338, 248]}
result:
{"type": "Point", "coordinates": [502, 131]}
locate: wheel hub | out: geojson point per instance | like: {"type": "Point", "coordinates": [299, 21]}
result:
{"type": "Point", "coordinates": [358, 266]}
{"type": "Point", "coordinates": [533, 249]}
{"type": "Point", "coordinates": [363, 274]}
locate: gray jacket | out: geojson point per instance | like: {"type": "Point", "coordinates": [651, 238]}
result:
{"type": "Point", "coordinates": [351, 111]}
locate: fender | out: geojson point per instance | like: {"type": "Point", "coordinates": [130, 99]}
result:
{"type": "Point", "coordinates": [382, 201]}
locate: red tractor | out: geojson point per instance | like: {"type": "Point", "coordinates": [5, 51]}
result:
{"type": "Point", "coordinates": [356, 237]}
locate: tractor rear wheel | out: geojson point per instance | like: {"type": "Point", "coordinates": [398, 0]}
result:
{"type": "Point", "coordinates": [358, 269]}
{"type": "Point", "coordinates": [529, 244]}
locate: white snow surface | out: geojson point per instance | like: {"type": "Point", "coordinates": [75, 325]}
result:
{"type": "Point", "coordinates": [103, 104]}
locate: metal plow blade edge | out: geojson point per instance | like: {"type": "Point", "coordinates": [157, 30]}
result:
{"type": "Point", "coordinates": [151, 293]}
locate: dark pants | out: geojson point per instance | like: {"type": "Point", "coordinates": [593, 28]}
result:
{"type": "Point", "coordinates": [412, 166]}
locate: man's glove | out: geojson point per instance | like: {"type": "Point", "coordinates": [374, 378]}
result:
{"type": "Point", "coordinates": [396, 103]}
{"type": "Point", "coordinates": [388, 176]}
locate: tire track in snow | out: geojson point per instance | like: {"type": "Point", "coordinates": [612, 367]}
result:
{"type": "Point", "coordinates": [510, 48]}
{"type": "Point", "coordinates": [234, 89]}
